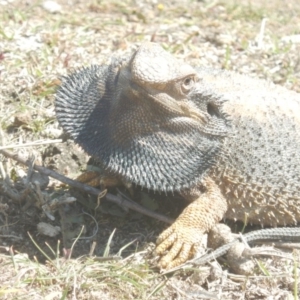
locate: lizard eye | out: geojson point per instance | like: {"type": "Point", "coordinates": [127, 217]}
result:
{"type": "Point", "coordinates": [188, 83]}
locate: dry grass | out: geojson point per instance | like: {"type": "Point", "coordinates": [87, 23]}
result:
{"type": "Point", "coordinates": [37, 47]}
{"type": "Point", "coordinates": [75, 279]}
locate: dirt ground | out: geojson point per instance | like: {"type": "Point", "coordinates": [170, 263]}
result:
{"type": "Point", "coordinates": [40, 41]}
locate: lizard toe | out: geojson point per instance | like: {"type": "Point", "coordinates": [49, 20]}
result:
{"type": "Point", "coordinates": [180, 241]}
{"type": "Point", "coordinates": [178, 254]}
{"type": "Point", "coordinates": [165, 240]}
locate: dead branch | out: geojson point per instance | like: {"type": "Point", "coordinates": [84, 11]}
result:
{"type": "Point", "coordinates": [91, 190]}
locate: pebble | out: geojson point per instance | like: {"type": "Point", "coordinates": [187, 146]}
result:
{"type": "Point", "coordinates": [52, 7]}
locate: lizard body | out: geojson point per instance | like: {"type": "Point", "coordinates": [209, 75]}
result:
{"type": "Point", "coordinates": [227, 142]}
{"type": "Point", "coordinates": [258, 173]}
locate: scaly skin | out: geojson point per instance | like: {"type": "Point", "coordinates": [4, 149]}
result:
{"type": "Point", "coordinates": [291, 235]}
{"type": "Point", "coordinates": [228, 143]}
{"type": "Point", "coordinates": [283, 234]}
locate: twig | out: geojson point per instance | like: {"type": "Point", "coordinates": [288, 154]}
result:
{"type": "Point", "coordinates": [11, 236]}
{"type": "Point", "coordinates": [95, 230]}
{"type": "Point", "coordinates": [36, 143]}
{"type": "Point", "coordinates": [91, 190]}
{"type": "Point", "coordinates": [260, 36]}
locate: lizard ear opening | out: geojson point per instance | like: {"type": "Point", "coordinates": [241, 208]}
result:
{"type": "Point", "coordinates": [217, 122]}
{"type": "Point", "coordinates": [212, 109]}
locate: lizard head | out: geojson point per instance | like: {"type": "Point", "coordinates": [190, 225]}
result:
{"type": "Point", "coordinates": [144, 119]}
{"type": "Point", "coordinates": [174, 87]}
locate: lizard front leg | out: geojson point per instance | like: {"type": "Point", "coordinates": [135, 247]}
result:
{"type": "Point", "coordinates": [94, 178]}
{"type": "Point", "coordinates": [184, 236]}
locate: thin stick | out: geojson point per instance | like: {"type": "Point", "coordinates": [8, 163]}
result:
{"type": "Point", "coordinates": [36, 143]}
{"type": "Point", "coordinates": [91, 190]}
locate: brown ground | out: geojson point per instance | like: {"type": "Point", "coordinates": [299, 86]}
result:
{"type": "Point", "coordinates": [36, 48]}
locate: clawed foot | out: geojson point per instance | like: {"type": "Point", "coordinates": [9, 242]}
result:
{"type": "Point", "coordinates": [183, 242]}
{"type": "Point", "coordinates": [184, 237]}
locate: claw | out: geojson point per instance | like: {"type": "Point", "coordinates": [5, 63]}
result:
{"type": "Point", "coordinates": [169, 258]}
{"type": "Point", "coordinates": [180, 242]}
{"type": "Point", "coordinates": [165, 240]}
{"type": "Point", "coordinates": [178, 254]}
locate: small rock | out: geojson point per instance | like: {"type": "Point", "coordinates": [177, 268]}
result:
{"type": "Point", "coordinates": [52, 132]}
{"type": "Point", "coordinates": [194, 28]}
{"type": "Point", "coordinates": [41, 179]}
{"type": "Point", "coordinates": [52, 7]}
{"type": "Point", "coordinates": [294, 39]}
{"type": "Point", "coordinates": [48, 229]}
{"type": "Point", "coordinates": [218, 236]}
{"type": "Point", "coordinates": [239, 264]}
{"type": "Point", "coordinates": [6, 2]}
{"type": "Point", "coordinates": [66, 158]}
{"type": "Point", "coordinates": [22, 119]}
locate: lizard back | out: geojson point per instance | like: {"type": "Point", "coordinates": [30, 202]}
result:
{"type": "Point", "coordinates": [259, 170]}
